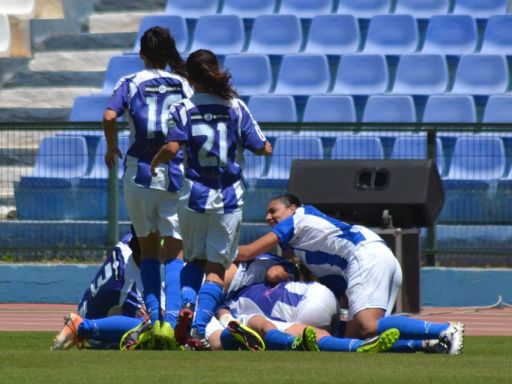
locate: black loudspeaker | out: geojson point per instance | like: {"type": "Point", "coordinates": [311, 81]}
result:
{"type": "Point", "coordinates": [365, 191]}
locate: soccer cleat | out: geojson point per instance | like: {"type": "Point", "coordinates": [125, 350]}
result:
{"type": "Point", "coordinates": [68, 336]}
{"type": "Point", "coordinates": [249, 338]}
{"type": "Point", "coordinates": [163, 335]}
{"type": "Point", "coordinates": [309, 340]}
{"type": "Point", "coordinates": [434, 346]}
{"type": "Point", "coordinates": [184, 323]}
{"type": "Point", "coordinates": [453, 338]}
{"type": "Point", "coordinates": [197, 341]}
{"type": "Point", "coordinates": [139, 337]}
{"type": "Point", "coordinates": [380, 343]}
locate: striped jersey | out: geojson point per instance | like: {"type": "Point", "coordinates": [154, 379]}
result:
{"type": "Point", "coordinates": [323, 244]}
{"type": "Point", "coordinates": [117, 286]}
{"type": "Point", "coordinates": [214, 132]}
{"type": "Point", "coordinates": [145, 97]}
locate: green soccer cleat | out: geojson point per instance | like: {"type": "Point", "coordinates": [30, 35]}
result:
{"type": "Point", "coordinates": [309, 340]}
{"type": "Point", "coordinates": [164, 337]}
{"type": "Point", "coordinates": [249, 338]}
{"type": "Point", "coordinates": [139, 337]}
{"type": "Point", "coordinates": [380, 343]}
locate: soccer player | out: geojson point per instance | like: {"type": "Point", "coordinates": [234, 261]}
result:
{"type": "Point", "coordinates": [349, 258]}
{"type": "Point", "coordinates": [151, 199]}
{"type": "Point", "coordinates": [214, 127]}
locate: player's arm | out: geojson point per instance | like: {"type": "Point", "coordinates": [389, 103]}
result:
{"type": "Point", "coordinates": [253, 137]}
{"type": "Point", "coordinates": [109, 129]}
{"type": "Point", "coordinates": [167, 153]}
{"type": "Point", "coordinates": [265, 151]}
{"type": "Point", "coordinates": [264, 244]}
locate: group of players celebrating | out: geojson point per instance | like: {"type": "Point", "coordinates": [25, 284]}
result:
{"type": "Point", "coordinates": [184, 192]}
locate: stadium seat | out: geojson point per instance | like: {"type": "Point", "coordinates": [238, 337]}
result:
{"type": "Point", "coordinates": [421, 74]}
{"type": "Point", "coordinates": [481, 74]}
{"type": "Point", "coordinates": [480, 9]}
{"type": "Point", "coordinates": [330, 109]}
{"type": "Point", "coordinates": [333, 35]}
{"type": "Point", "coordinates": [192, 9]}
{"type": "Point", "coordinates": [21, 9]}
{"type": "Point", "coordinates": [498, 35]}
{"type": "Point", "coordinates": [450, 109]}
{"type": "Point", "coordinates": [392, 35]}
{"type": "Point", "coordinates": [303, 74]}
{"type": "Point", "coordinates": [99, 169]}
{"type": "Point", "coordinates": [222, 34]}
{"type": "Point", "coordinates": [5, 36]}
{"type": "Point", "coordinates": [273, 109]}
{"type": "Point", "coordinates": [62, 157]}
{"type": "Point", "coordinates": [175, 24]}
{"type": "Point", "coordinates": [422, 9]}
{"type": "Point", "coordinates": [389, 109]}
{"type": "Point", "coordinates": [415, 147]}
{"type": "Point", "coordinates": [361, 74]}
{"type": "Point", "coordinates": [251, 74]}
{"type": "Point", "coordinates": [305, 8]}
{"type": "Point", "coordinates": [364, 9]}
{"type": "Point", "coordinates": [357, 147]}
{"type": "Point", "coordinates": [276, 34]}
{"type": "Point", "coordinates": [89, 108]}
{"type": "Point", "coordinates": [451, 35]}
{"type": "Point", "coordinates": [120, 66]}
{"type": "Point", "coordinates": [477, 158]}
{"type": "Point", "coordinates": [254, 166]}
{"type": "Point", "coordinates": [498, 109]}
{"type": "Point", "coordinates": [249, 9]}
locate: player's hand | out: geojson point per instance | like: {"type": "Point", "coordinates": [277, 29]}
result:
{"type": "Point", "coordinates": [153, 169]}
{"type": "Point", "coordinates": [110, 157]}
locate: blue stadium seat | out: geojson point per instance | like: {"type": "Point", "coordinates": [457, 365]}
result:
{"type": "Point", "coordinates": [477, 158]}
{"type": "Point", "coordinates": [303, 74]}
{"type": "Point", "coordinates": [175, 24]}
{"type": "Point", "coordinates": [481, 74]}
{"type": "Point", "coordinates": [273, 109]}
{"type": "Point", "coordinates": [450, 109]}
{"type": "Point", "coordinates": [251, 74]}
{"type": "Point", "coordinates": [364, 9]}
{"type": "Point", "coordinates": [361, 74]}
{"type": "Point", "coordinates": [249, 9]}
{"type": "Point", "coordinates": [357, 147]}
{"type": "Point", "coordinates": [480, 9]}
{"type": "Point", "coordinates": [192, 9]}
{"type": "Point", "coordinates": [415, 147]}
{"type": "Point", "coordinates": [330, 109]}
{"type": "Point", "coordinates": [89, 108]}
{"type": "Point", "coordinates": [305, 8]}
{"type": "Point", "coordinates": [99, 169]}
{"type": "Point", "coordinates": [276, 34]}
{"type": "Point", "coordinates": [498, 109]}
{"type": "Point", "coordinates": [222, 34]}
{"type": "Point", "coordinates": [498, 35]}
{"type": "Point", "coordinates": [422, 9]}
{"type": "Point", "coordinates": [333, 35]}
{"type": "Point", "coordinates": [254, 166]}
{"type": "Point", "coordinates": [392, 35]}
{"type": "Point", "coordinates": [421, 74]}
{"type": "Point", "coordinates": [451, 35]}
{"type": "Point", "coordinates": [120, 66]}
{"type": "Point", "coordinates": [389, 109]}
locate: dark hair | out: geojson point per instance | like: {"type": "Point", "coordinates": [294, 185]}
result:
{"type": "Point", "coordinates": [159, 48]}
{"type": "Point", "coordinates": [134, 243]}
{"type": "Point", "coordinates": [288, 199]}
{"type": "Point", "coordinates": [203, 68]}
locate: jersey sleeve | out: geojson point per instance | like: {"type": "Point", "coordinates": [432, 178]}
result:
{"type": "Point", "coordinates": [285, 231]}
{"type": "Point", "coordinates": [178, 123]}
{"type": "Point", "coordinates": [251, 134]}
{"type": "Point", "coordinates": [120, 97]}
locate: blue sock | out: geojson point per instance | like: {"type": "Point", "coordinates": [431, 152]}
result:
{"type": "Point", "coordinates": [191, 280]}
{"type": "Point", "coordinates": [172, 290]}
{"type": "Point", "coordinates": [109, 329]}
{"type": "Point", "coordinates": [407, 346]}
{"type": "Point", "coordinates": [335, 344]}
{"type": "Point", "coordinates": [276, 340]}
{"type": "Point", "coordinates": [411, 328]}
{"type": "Point", "coordinates": [150, 274]}
{"type": "Point", "coordinates": [229, 343]}
{"type": "Point", "coordinates": [209, 298]}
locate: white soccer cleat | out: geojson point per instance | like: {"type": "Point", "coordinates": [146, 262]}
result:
{"type": "Point", "coordinates": [434, 346]}
{"type": "Point", "coordinates": [453, 338]}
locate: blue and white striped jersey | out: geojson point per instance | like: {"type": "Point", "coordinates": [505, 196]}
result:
{"type": "Point", "coordinates": [117, 287]}
{"type": "Point", "coordinates": [146, 97]}
{"type": "Point", "coordinates": [323, 244]}
{"type": "Point", "coordinates": [214, 133]}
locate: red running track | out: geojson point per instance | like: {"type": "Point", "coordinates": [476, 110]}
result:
{"type": "Point", "coordinates": [480, 321]}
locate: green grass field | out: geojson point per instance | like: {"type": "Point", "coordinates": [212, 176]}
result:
{"type": "Point", "coordinates": [25, 358]}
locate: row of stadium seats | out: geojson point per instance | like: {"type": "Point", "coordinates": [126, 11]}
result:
{"type": "Point", "coordinates": [309, 8]}
{"type": "Point", "coordinates": [337, 34]}
{"type": "Point", "coordinates": [342, 109]}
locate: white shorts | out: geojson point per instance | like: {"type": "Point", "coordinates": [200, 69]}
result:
{"type": "Point", "coordinates": [151, 210]}
{"type": "Point", "coordinates": [213, 326]}
{"type": "Point", "coordinates": [319, 308]}
{"type": "Point", "coordinates": [280, 325]}
{"type": "Point", "coordinates": [374, 277]}
{"type": "Point", "coordinates": [212, 237]}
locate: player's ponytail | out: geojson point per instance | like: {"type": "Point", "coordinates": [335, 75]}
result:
{"type": "Point", "coordinates": [203, 68]}
{"type": "Point", "coordinates": [159, 48]}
